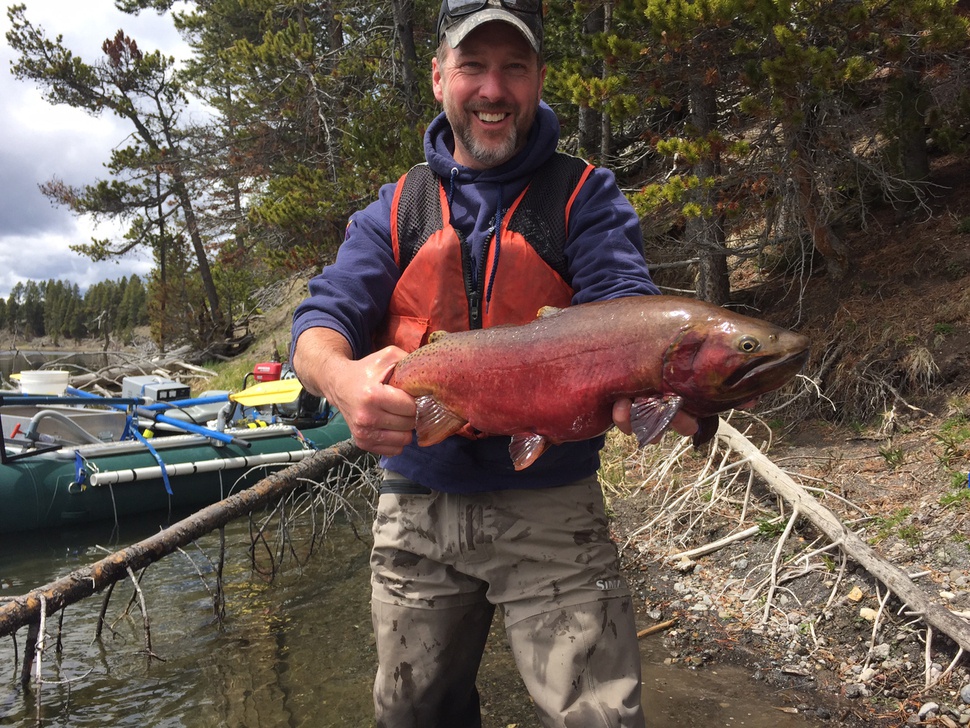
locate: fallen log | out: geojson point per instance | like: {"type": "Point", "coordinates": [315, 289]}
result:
{"type": "Point", "coordinates": [896, 580]}
{"type": "Point", "coordinates": [84, 582]}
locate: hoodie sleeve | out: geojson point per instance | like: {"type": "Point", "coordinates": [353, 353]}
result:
{"type": "Point", "coordinates": [605, 245]}
{"type": "Point", "coordinates": [351, 295]}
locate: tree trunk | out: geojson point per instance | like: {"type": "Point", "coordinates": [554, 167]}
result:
{"type": "Point", "coordinates": [606, 126]}
{"type": "Point", "coordinates": [808, 199]}
{"type": "Point", "coordinates": [590, 120]}
{"type": "Point", "coordinates": [216, 318]}
{"type": "Point", "coordinates": [404, 26]}
{"type": "Point", "coordinates": [705, 232]}
{"type": "Point", "coordinates": [914, 158]}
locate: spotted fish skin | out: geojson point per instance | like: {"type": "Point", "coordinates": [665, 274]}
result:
{"type": "Point", "coordinates": [555, 379]}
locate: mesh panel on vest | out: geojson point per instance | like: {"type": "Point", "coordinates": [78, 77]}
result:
{"type": "Point", "coordinates": [541, 216]}
{"type": "Point", "coordinates": [419, 211]}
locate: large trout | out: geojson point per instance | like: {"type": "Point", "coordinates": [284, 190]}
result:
{"type": "Point", "coordinates": [556, 378]}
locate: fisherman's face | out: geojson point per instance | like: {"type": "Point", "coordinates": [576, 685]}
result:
{"type": "Point", "coordinates": [490, 88]}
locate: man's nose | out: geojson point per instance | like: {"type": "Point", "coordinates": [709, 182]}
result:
{"type": "Point", "coordinates": [493, 85]}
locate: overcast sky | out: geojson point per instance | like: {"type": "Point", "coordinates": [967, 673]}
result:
{"type": "Point", "coordinates": [39, 141]}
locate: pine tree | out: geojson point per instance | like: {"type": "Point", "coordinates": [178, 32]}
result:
{"type": "Point", "coordinates": [151, 175]}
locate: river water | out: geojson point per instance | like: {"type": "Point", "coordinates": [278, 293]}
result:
{"type": "Point", "coordinates": [296, 650]}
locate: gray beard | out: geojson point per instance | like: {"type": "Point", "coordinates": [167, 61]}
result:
{"type": "Point", "coordinates": [488, 156]}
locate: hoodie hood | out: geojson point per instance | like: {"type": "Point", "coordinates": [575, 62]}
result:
{"type": "Point", "coordinates": [439, 148]}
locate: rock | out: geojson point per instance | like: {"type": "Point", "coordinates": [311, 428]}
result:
{"type": "Point", "coordinates": [856, 594]}
{"type": "Point", "coordinates": [685, 565]}
{"type": "Point", "coordinates": [868, 614]}
{"type": "Point", "coordinates": [749, 595]}
{"type": "Point", "coordinates": [965, 693]}
{"type": "Point", "coordinates": [881, 651]}
{"type": "Point", "coordinates": [855, 690]}
{"type": "Point", "coordinates": [927, 708]}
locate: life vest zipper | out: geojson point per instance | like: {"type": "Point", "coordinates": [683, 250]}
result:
{"type": "Point", "coordinates": [474, 280]}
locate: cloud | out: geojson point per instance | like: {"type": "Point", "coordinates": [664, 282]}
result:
{"type": "Point", "coordinates": [43, 256]}
{"type": "Point", "coordinates": [40, 141]}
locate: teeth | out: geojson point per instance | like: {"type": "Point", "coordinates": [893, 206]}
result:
{"type": "Point", "coordinates": [491, 117]}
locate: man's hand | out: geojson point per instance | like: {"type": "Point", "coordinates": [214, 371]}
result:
{"type": "Point", "coordinates": [682, 423]}
{"type": "Point", "coordinates": [380, 417]}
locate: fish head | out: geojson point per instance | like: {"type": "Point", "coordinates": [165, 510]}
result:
{"type": "Point", "coordinates": [727, 361]}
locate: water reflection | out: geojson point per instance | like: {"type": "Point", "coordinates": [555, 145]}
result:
{"type": "Point", "coordinates": [296, 651]}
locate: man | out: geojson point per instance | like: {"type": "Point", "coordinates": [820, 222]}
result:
{"type": "Point", "coordinates": [495, 226]}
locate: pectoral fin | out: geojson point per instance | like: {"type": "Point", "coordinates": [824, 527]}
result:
{"type": "Point", "coordinates": [434, 422]}
{"type": "Point", "coordinates": [650, 416]}
{"type": "Point", "coordinates": [526, 448]}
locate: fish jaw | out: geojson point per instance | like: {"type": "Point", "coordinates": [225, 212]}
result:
{"type": "Point", "coordinates": [767, 373]}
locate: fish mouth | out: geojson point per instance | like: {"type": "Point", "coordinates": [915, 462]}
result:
{"type": "Point", "coordinates": [761, 370]}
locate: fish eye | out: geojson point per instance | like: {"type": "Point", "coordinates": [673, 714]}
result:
{"type": "Point", "coordinates": [748, 344]}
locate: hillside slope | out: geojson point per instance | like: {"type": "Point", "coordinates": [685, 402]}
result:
{"type": "Point", "coordinates": [884, 442]}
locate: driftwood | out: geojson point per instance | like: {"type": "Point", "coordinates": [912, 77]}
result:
{"type": "Point", "coordinates": [110, 377]}
{"type": "Point", "coordinates": [933, 614]}
{"type": "Point", "coordinates": [656, 628]}
{"type": "Point", "coordinates": [84, 582]}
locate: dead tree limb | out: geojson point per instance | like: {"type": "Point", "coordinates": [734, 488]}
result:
{"type": "Point", "coordinates": [935, 615]}
{"type": "Point", "coordinates": [84, 582]}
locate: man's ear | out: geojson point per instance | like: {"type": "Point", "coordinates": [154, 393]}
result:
{"type": "Point", "coordinates": [436, 80]}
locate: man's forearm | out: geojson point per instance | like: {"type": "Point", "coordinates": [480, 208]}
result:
{"type": "Point", "coordinates": [318, 352]}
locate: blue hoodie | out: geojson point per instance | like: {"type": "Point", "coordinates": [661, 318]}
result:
{"type": "Point", "coordinates": [605, 258]}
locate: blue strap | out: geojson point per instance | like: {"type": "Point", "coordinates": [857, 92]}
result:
{"type": "Point", "coordinates": [158, 459]}
{"type": "Point", "coordinates": [130, 428]}
{"type": "Point", "coordinates": [80, 474]}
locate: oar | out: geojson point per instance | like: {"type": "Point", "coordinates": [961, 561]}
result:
{"type": "Point", "coordinates": [279, 391]}
{"type": "Point", "coordinates": [191, 402]}
{"type": "Point", "coordinates": [187, 426]}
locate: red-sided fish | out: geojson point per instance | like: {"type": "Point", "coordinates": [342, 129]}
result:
{"type": "Point", "coordinates": [556, 378]}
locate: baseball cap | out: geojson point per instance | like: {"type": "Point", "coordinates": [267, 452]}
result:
{"type": "Point", "coordinates": [458, 18]}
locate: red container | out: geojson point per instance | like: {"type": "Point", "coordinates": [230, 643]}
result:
{"type": "Point", "coordinates": [267, 371]}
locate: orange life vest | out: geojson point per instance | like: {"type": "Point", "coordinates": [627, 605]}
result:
{"type": "Point", "coordinates": [530, 271]}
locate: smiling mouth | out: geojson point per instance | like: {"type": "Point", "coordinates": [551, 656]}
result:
{"type": "Point", "coordinates": [491, 118]}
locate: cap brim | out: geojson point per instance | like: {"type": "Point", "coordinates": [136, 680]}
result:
{"type": "Point", "coordinates": [457, 32]}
